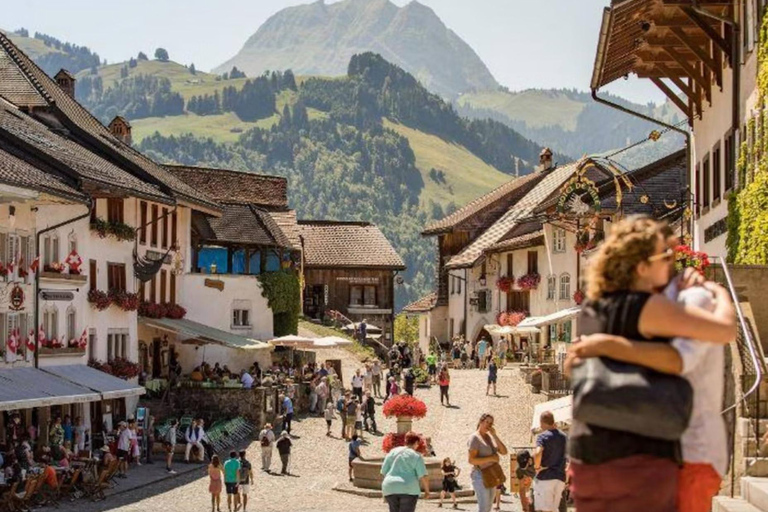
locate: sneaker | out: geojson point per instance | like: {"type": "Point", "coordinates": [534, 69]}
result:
{"type": "Point", "coordinates": [171, 472]}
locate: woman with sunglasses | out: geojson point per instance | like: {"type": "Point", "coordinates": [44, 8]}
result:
{"type": "Point", "coordinates": [623, 281]}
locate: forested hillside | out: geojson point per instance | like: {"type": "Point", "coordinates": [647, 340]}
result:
{"type": "Point", "coordinates": [52, 54]}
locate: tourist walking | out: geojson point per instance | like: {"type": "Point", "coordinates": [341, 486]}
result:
{"type": "Point", "coordinates": [81, 434]}
{"type": "Point", "coordinates": [354, 453]}
{"type": "Point", "coordinates": [246, 478]}
{"type": "Point", "coordinates": [135, 448]}
{"type": "Point", "coordinates": [394, 389]}
{"type": "Point", "coordinates": [484, 450]}
{"type": "Point", "coordinates": [482, 346]}
{"type": "Point", "coordinates": [450, 474]}
{"type": "Point", "coordinates": [286, 405]}
{"type": "Point", "coordinates": [267, 441]}
{"type": "Point", "coordinates": [367, 378]}
{"type": "Point", "coordinates": [376, 376]}
{"type": "Point", "coordinates": [432, 366]}
{"type": "Point", "coordinates": [549, 457]}
{"type": "Point", "coordinates": [492, 374]}
{"type": "Point", "coordinates": [169, 442]}
{"type": "Point", "coordinates": [284, 444]}
{"type": "Point", "coordinates": [123, 448]}
{"type": "Point", "coordinates": [352, 409]}
{"type": "Point", "coordinates": [444, 379]}
{"type": "Point", "coordinates": [369, 410]}
{"type": "Point", "coordinates": [623, 277]}
{"type": "Point", "coordinates": [323, 392]}
{"type": "Point", "coordinates": [409, 380]}
{"type": "Point", "coordinates": [357, 385]}
{"type": "Point", "coordinates": [329, 417]}
{"type": "Point", "coordinates": [215, 484]}
{"type": "Point", "coordinates": [403, 470]}
{"type": "Point", "coordinates": [341, 406]}
{"type": "Point", "coordinates": [231, 479]}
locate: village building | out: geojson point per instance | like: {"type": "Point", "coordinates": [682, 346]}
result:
{"type": "Point", "coordinates": [349, 268]}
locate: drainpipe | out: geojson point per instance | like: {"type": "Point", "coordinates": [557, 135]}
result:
{"type": "Point", "coordinates": [466, 300]}
{"type": "Point", "coordinates": [90, 205]}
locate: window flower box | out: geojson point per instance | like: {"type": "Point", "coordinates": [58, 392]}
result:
{"type": "Point", "coordinates": [505, 284]}
{"type": "Point", "coordinates": [529, 282]}
{"type": "Point", "coordinates": [62, 351]}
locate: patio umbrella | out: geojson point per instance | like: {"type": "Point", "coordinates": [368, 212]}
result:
{"type": "Point", "coordinates": [332, 341]}
{"type": "Point", "coordinates": [292, 340]}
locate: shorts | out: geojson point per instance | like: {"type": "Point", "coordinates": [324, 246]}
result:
{"type": "Point", "coordinates": [358, 425]}
{"type": "Point", "coordinates": [491, 380]}
{"type": "Point", "coordinates": [350, 461]}
{"type": "Point", "coordinates": [244, 488]}
{"type": "Point", "coordinates": [449, 484]}
{"type": "Point", "coordinates": [548, 493]}
{"type": "Point", "coordinates": [328, 422]}
{"type": "Point", "coordinates": [432, 369]}
{"type": "Point", "coordinates": [168, 447]}
{"type": "Point", "coordinates": [231, 487]}
{"type": "Point", "coordinates": [122, 454]}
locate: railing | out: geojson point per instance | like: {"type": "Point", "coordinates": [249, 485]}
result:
{"type": "Point", "coordinates": [752, 368]}
{"type": "Point", "coordinates": [555, 384]}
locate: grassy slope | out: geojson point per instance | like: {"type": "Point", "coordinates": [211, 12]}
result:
{"type": "Point", "coordinates": [34, 48]}
{"type": "Point", "coordinates": [466, 174]}
{"type": "Point", "coordinates": [537, 108]}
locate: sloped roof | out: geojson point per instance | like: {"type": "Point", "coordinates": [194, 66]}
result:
{"type": "Point", "coordinates": [78, 120]}
{"type": "Point", "coordinates": [31, 137]}
{"type": "Point", "coordinates": [347, 245]}
{"type": "Point", "coordinates": [506, 194]}
{"type": "Point", "coordinates": [525, 234]}
{"type": "Point", "coordinates": [520, 212]}
{"type": "Point", "coordinates": [424, 304]}
{"type": "Point", "coordinates": [18, 173]}
{"type": "Point", "coordinates": [286, 221]}
{"type": "Point", "coordinates": [241, 224]}
{"type": "Point", "coordinates": [234, 187]}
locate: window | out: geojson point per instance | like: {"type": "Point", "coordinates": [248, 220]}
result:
{"type": "Point", "coordinates": [510, 265]}
{"type": "Point", "coordinates": [115, 210]}
{"type": "Point", "coordinates": [174, 237]}
{"type": "Point", "coordinates": [241, 318]}
{"type": "Point", "coordinates": [117, 344]}
{"type": "Point", "coordinates": [50, 249]}
{"type": "Point", "coordinates": [730, 172]}
{"type": "Point", "coordinates": [116, 276]}
{"type": "Point", "coordinates": [483, 301]}
{"type": "Point", "coordinates": [565, 287]}
{"type": "Point", "coordinates": [142, 290]}
{"type": "Point", "coordinates": [458, 285]}
{"type": "Point", "coordinates": [163, 276]}
{"type": "Point", "coordinates": [153, 289]}
{"type": "Point", "coordinates": [533, 262]}
{"type": "Point", "coordinates": [51, 322]}
{"type": "Point", "coordinates": [716, 178]}
{"type": "Point", "coordinates": [72, 239]}
{"type": "Point", "coordinates": [173, 288]}
{"type": "Point", "coordinates": [453, 285]}
{"type": "Point", "coordinates": [143, 222]}
{"type": "Point", "coordinates": [71, 324]}
{"type": "Point", "coordinates": [705, 180]}
{"type": "Point", "coordinates": [92, 344]}
{"type": "Point", "coordinates": [362, 295]}
{"type": "Point", "coordinates": [551, 287]}
{"type": "Point", "coordinates": [153, 232]}
{"type": "Point", "coordinates": [558, 240]}
{"type": "Point", "coordinates": [567, 331]}
{"type": "Point", "coordinates": [165, 229]}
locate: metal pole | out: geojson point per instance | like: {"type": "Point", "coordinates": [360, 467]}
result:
{"type": "Point", "coordinates": [91, 204]}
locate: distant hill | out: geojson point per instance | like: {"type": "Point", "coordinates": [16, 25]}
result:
{"type": "Point", "coordinates": [52, 54]}
{"type": "Point", "coordinates": [320, 38]}
{"type": "Point", "coordinates": [571, 121]}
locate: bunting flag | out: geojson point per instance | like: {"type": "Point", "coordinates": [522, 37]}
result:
{"type": "Point", "coordinates": [74, 261]}
{"type": "Point", "coordinates": [30, 341]}
{"type": "Point", "coordinates": [22, 271]}
{"type": "Point", "coordinates": [35, 264]}
{"type": "Point", "coordinates": [83, 341]}
{"type": "Point", "coordinates": [13, 342]}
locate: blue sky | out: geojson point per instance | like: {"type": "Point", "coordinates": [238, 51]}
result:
{"type": "Point", "coordinates": [541, 43]}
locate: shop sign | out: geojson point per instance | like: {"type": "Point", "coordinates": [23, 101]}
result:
{"type": "Point", "coordinates": [358, 280]}
{"type": "Point", "coordinates": [57, 296]}
{"type": "Point", "coordinates": [215, 283]}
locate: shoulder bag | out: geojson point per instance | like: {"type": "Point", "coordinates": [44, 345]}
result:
{"type": "Point", "coordinates": [493, 475]}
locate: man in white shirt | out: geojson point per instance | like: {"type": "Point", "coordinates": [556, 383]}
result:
{"type": "Point", "coordinates": [194, 437]}
{"type": "Point", "coordinates": [246, 380]}
{"type": "Point", "coordinates": [123, 448]}
{"type": "Point", "coordinates": [357, 385]}
{"type": "Point", "coordinates": [267, 441]}
{"type": "Point", "coordinates": [376, 374]}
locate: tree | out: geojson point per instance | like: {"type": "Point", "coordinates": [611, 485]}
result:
{"type": "Point", "coordinates": [161, 54]}
{"type": "Point", "coordinates": [406, 328]}
{"type": "Point", "coordinates": [192, 69]}
{"type": "Point", "coordinates": [142, 56]}
{"type": "Point", "coordinates": [133, 63]}
{"type": "Point", "coordinates": [124, 72]}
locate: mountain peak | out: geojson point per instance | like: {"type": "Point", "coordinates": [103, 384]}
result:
{"type": "Point", "coordinates": [320, 38]}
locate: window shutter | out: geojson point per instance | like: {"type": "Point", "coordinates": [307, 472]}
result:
{"type": "Point", "coordinates": [55, 251]}
{"type": "Point", "coordinates": [3, 328]}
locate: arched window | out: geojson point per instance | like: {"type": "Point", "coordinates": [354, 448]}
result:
{"type": "Point", "coordinates": [551, 287]}
{"type": "Point", "coordinates": [71, 324]}
{"type": "Point", "coordinates": [565, 287]}
{"type": "Point", "coordinates": [51, 322]}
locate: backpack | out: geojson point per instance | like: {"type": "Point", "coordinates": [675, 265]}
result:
{"type": "Point", "coordinates": [265, 440]}
{"type": "Point", "coordinates": [340, 405]}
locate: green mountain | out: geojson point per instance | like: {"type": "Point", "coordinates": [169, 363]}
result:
{"type": "Point", "coordinates": [320, 38]}
{"type": "Point", "coordinates": [571, 121]}
{"type": "Point", "coordinates": [52, 54]}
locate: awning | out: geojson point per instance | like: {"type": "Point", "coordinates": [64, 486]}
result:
{"type": "Point", "coordinates": [561, 409]}
{"type": "Point", "coordinates": [190, 330]}
{"type": "Point", "coordinates": [24, 388]}
{"type": "Point", "coordinates": [292, 340]}
{"type": "Point", "coordinates": [559, 316]}
{"type": "Point", "coordinates": [498, 330]}
{"type": "Point", "coordinates": [105, 384]}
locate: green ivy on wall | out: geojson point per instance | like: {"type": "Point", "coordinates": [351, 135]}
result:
{"type": "Point", "coordinates": [747, 241]}
{"type": "Point", "coordinates": [283, 293]}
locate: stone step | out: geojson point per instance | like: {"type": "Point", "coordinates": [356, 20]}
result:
{"type": "Point", "coordinates": [726, 504]}
{"type": "Point", "coordinates": [756, 466]}
{"type": "Point", "coordinates": [755, 491]}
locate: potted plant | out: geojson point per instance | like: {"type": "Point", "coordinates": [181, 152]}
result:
{"type": "Point", "coordinates": [505, 283]}
{"type": "Point", "coordinates": [529, 281]}
{"type": "Point", "coordinates": [99, 299]}
{"type": "Point", "coordinates": [687, 257]}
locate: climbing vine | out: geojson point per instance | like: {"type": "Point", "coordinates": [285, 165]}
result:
{"type": "Point", "coordinates": [282, 291]}
{"type": "Point", "coordinates": [747, 240]}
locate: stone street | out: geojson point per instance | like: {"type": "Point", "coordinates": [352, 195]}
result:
{"type": "Point", "coordinates": [319, 462]}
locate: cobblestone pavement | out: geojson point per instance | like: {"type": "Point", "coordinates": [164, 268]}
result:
{"type": "Point", "coordinates": [320, 462]}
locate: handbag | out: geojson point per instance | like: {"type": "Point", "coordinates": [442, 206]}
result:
{"type": "Point", "coordinates": [493, 476]}
{"type": "Point", "coordinates": [629, 398]}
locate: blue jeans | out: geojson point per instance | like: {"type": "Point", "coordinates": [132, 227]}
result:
{"type": "Point", "coordinates": [402, 502]}
{"type": "Point", "coordinates": [484, 496]}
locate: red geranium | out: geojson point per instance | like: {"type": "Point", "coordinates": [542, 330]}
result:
{"type": "Point", "coordinates": [529, 281]}
{"type": "Point", "coordinates": [394, 440]}
{"type": "Point", "coordinates": [578, 297]}
{"type": "Point", "coordinates": [405, 405]}
{"type": "Point", "coordinates": [175, 311]}
{"type": "Point", "coordinates": [99, 299]}
{"type": "Point", "coordinates": [504, 284]}
{"type": "Point", "coordinates": [687, 257]}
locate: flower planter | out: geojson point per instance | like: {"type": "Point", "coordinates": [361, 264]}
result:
{"type": "Point", "coordinates": [64, 351]}
{"type": "Point", "coordinates": [368, 473]}
{"type": "Point", "coordinates": [404, 424]}
{"type": "Point", "coordinates": [58, 276]}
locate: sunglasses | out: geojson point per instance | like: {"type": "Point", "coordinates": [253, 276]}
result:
{"type": "Point", "coordinates": [665, 256]}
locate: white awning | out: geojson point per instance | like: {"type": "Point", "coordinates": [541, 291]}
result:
{"type": "Point", "coordinates": [292, 341]}
{"type": "Point", "coordinates": [24, 388]}
{"type": "Point", "coordinates": [190, 330]}
{"type": "Point", "coordinates": [108, 386]}
{"type": "Point", "coordinates": [561, 409]}
{"type": "Point", "coordinates": [558, 316]}
{"type": "Point", "coordinates": [498, 330]}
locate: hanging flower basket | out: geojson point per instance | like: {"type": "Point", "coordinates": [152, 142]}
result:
{"type": "Point", "coordinates": [99, 299]}
{"type": "Point", "coordinates": [578, 297]}
{"type": "Point", "coordinates": [405, 405]}
{"type": "Point", "coordinates": [505, 284]}
{"type": "Point", "coordinates": [529, 281]}
{"type": "Point", "coordinates": [687, 257]}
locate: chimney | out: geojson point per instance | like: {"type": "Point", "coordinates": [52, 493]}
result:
{"type": "Point", "coordinates": [66, 81]}
{"type": "Point", "coordinates": [121, 128]}
{"type": "Point", "coordinates": [545, 159]}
